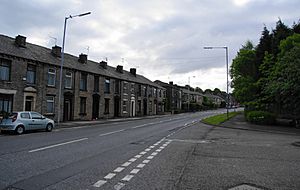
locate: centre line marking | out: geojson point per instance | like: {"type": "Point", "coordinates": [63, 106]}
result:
{"type": "Point", "coordinates": [142, 153]}
{"type": "Point", "coordinates": [104, 134]}
{"type": "Point", "coordinates": [138, 156]}
{"type": "Point", "coordinates": [99, 183]}
{"type": "Point", "coordinates": [148, 149]}
{"type": "Point", "coordinates": [154, 154]}
{"type": "Point", "coordinates": [146, 161]}
{"type": "Point", "coordinates": [140, 165]}
{"type": "Point", "coordinates": [56, 145]}
{"type": "Point", "coordinates": [150, 157]}
{"type": "Point", "coordinates": [119, 186]}
{"type": "Point", "coordinates": [132, 160]}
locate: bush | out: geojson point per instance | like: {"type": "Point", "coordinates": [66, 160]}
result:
{"type": "Point", "coordinates": [261, 117]}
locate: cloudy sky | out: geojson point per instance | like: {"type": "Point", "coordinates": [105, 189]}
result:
{"type": "Point", "coordinates": [163, 39]}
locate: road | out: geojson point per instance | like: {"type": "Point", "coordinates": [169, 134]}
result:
{"type": "Point", "coordinates": [171, 152]}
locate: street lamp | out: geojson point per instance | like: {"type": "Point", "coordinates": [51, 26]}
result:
{"type": "Point", "coordinates": [62, 60]}
{"type": "Point", "coordinates": [226, 49]}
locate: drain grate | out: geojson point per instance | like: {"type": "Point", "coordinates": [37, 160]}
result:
{"type": "Point", "coordinates": [246, 187]}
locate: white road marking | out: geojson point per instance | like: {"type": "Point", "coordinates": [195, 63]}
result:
{"type": "Point", "coordinates": [150, 157]}
{"type": "Point", "coordinates": [56, 145]}
{"type": "Point", "coordinates": [99, 183]}
{"type": "Point", "coordinates": [158, 150]}
{"type": "Point", "coordinates": [148, 149]}
{"type": "Point", "coordinates": [126, 164]}
{"type": "Point", "coordinates": [110, 176]}
{"type": "Point", "coordinates": [135, 171]}
{"type": "Point", "coordinates": [154, 154]}
{"type": "Point", "coordinates": [162, 147]}
{"type": "Point", "coordinates": [132, 160]}
{"type": "Point", "coordinates": [104, 134]}
{"type": "Point", "coordinates": [119, 186]}
{"type": "Point", "coordinates": [127, 178]}
{"type": "Point", "coordinates": [146, 161]}
{"type": "Point", "coordinates": [135, 127]}
{"type": "Point", "coordinates": [142, 153]}
{"type": "Point", "coordinates": [119, 169]}
{"type": "Point", "coordinates": [151, 147]}
{"type": "Point", "coordinates": [141, 165]}
{"type": "Point", "coordinates": [138, 156]}
{"type": "Point", "coordinates": [156, 144]}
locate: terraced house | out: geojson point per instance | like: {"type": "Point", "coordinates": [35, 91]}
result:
{"type": "Point", "coordinates": [29, 80]}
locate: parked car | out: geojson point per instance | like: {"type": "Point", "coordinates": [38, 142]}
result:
{"type": "Point", "coordinates": [19, 122]}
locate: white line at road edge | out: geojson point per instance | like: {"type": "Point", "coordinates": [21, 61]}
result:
{"type": "Point", "coordinates": [56, 145]}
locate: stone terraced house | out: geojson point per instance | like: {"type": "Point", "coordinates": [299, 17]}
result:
{"type": "Point", "coordinates": [29, 80]}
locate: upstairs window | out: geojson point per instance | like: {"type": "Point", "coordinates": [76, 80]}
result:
{"type": "Point", "coordinates": [83, 82]}
{"type": "Point", "coordinates": [106, 106]}
{"type": "Point", "coordinates": [5, 67]}
{"type": "Point", "coordinates": [96, 83]}
{"type": "Point", "coordinates": [31, 74]}
{"type": "Point", "coordinates": [68, 80]}
{"type": "Point", "coordinates": [51, 77]}
{"type": "Point", "coordinates": [107, 86]}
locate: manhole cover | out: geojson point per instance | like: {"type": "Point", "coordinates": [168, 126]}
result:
{"type": "Point", "coordinates": [245, 187]}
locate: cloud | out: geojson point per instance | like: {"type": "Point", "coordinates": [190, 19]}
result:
{"type": "Point", "coordinates": [162, 39]}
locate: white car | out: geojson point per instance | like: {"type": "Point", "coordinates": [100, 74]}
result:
{"type": "Point", "coordinates": [19, 122]}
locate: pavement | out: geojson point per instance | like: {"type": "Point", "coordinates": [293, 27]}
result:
{"type": "Point", "coordinates": [239, 122]}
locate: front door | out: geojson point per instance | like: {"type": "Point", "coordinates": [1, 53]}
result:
{"type": "Point", "coordinates": [96, 102]}
{"type": "Point", "coordinates": [145, 107]}
{"type": "Point", "coordinates": [132, 108]}
{"type": "Point", "coordinates": [67, 109]}
{"type": "Point", "coordinates": [117, 107]}
{"type": "Point", "coordinates": [28, 103]}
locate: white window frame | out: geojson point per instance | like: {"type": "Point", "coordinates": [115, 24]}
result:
{"type": "Point", "coordinates": [69, 77]}
{"type": "Point", "coordinates": [52, 74]}
{"type": "Point", "coordinates": [48, 100]}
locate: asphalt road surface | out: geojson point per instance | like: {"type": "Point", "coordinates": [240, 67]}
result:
{"type": "Point", "coordinates": [171, 152]}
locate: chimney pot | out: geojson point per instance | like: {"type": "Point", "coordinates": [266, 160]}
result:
{"type": "Point", "coordinates": [171, 82]}
{"type": "Point", "coordinates": [56, 51]}
{"type": "Point", "coordinates": [120, 68]}
{"type": "Point", "coordinates": [82, 58]}
{"type": "Point", "coordinates": [20, 41]}
{"type": "Point", "coordinates": [103, 64]}
{"type": "Point", "coordinates": [133, 71]}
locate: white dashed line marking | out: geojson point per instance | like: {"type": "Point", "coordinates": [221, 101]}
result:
{"type": "Point", "coordinates": [119, 169]}
{"type": "Point", "coordinates": [126, 164]}
{"type": "Point", "coordinates": [142, 153]}
{"type": "Point", "coordinates": [141, 165]}
{"type": "Point", "coordinates": [119, 186]}
{"type": "Point", "coordinates": [158, 150]}
{"type": "Point", "coordinates": [150, 157]}
{"type": "Point", "coordinates": [110, 176]}
{"type": "Point", "coordinates": [56, 145]}
{"type": "Point", "coordinates": [147, 150]}
{"type": "Point", "coordinates": [127, 178]}
{"type": "Point", "coordinates": [99, 183]}
{"type": "Point", "coordinates": [135, 171]}
{"type": "Point", "coordinates": [138, 156]}
{"type": "Point", "coordinates": [151, 147]}
{"type": "Point", "coordinates": [146, 161]}
{"type": "Point", "coordinates": [104, 134]}
{"type": "Point", "coordinates": [132, 160]}
{"type": "Point", "coordinates": [154, 154]}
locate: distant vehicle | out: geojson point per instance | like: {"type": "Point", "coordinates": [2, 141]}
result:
{"type": "Point", "coordinates": [19, 122]}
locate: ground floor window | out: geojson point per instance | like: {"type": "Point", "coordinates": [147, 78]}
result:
{"type": "Point", "coordinates": [50, 104]}
{"type": "Point", "coordinates": [124, 106]}
{"type": "Point", "coordinates": [82, 105]}
{"type": "Point", "coordinates": [28, 103]}
{"type": "Point", "coordinates": [5, 103]}
{"type": "Point", "coordinates": [150, 106]}
{"type": "Point", "coordinates": [106, 106]}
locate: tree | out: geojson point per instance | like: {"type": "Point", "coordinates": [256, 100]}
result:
{"type": "Point", "coordinates": [281, 32]}
{"type": "Point", "coordinates": [217, 91]}
{"type": "Point", "coordinates": [198, 89]}
{"type": "Point", "coordinates": [208, 91]}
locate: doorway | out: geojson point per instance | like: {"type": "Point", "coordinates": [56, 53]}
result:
{"type": "Point", "coordinates": [145, 106]}
{"type": "Point", "coordinates": [96, 106]}
{"type": "Point", "coordinates": [117, 106]}
{"type": "Point", "coordinates": [68, 107]}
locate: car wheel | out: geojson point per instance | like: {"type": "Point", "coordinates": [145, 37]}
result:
{"type": "Point", "coordinates": [49, 127]}
{"type": "Point", "coordinates": [20, 130]}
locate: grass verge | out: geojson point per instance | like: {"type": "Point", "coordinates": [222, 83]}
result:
{"type": "Point", "coordinates": [218, 119]}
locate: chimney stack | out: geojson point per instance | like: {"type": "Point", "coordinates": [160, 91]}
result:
{"type": "Point", "coordinates": [82, 58]}
{"type": "Point", "coordinates": [20, 41]}
{"type": "Point", "coordinates": [56, 51]}
{"type": "Point", "coordinates": [171, 82]}
{"type": "Point", "coordinates": [120, 69]}
{"type": "Point", "coordinates": [133, 71]}
{"type": "Point", "coordinates": [103, 64]}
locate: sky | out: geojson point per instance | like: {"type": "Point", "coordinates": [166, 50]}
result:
{"type": "Point", "coordinates": [162, 39]}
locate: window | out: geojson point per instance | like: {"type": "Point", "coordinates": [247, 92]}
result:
{"type": "Point", "coordinates": [150, 106]}
{"type": "Point", "coordinates": [68, 80]}
{"type": "Point", "coordinates": [82, 105]}
{"type": "Point", "coordinates": [154, 92]}
{"type": "Point", "coordinates": [125, 106]}
{"type": "Point", "coordinates": [4, 69]}
{"type": "Point", "coordinates": [139, 90]}
{"type": "Point", "coordinates": [132, 88]}
{"type": "Point", "coordinates": [159, 93]}
{"type": "Point", "coordinates": [25, 116]}
{"type": "Point", "coordinates": [50, 104]}
{"type": "Point", "coordinates": [31, 74]}
{"type": "Point", "coordinates": [36, 115]}
{"type": "Point", "coordinates": [28, 103]}
{"type": "Point", "coordinates": [107, 86]}
{"type": "Point", "coordinates": [150, 92]}
{"type": "Point", "coordinates": [6, 103]}
{"type": "Point", "coordinates": [96, 83]}
{"type": "Point", "coordinates": [125, 84]}
{"type": "Point", "coordinates": [51, 77]}
{"type": "Point", "coordinates": [106, 106]}
{"type": "Point", "coordinates": [83, 81]}
{"type": "Point", "coordinates": [145, 91]}
{"type": "Point", "coordinates": [117, 86]}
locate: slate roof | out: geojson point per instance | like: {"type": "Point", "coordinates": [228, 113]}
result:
{"type": "Point", "coordinates": [42, 54]}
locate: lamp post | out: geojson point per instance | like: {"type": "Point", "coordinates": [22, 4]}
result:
{"type": "Point", "coordinates": [226, 51]}
{"type": "Point", "coordinates": [62, 61]}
